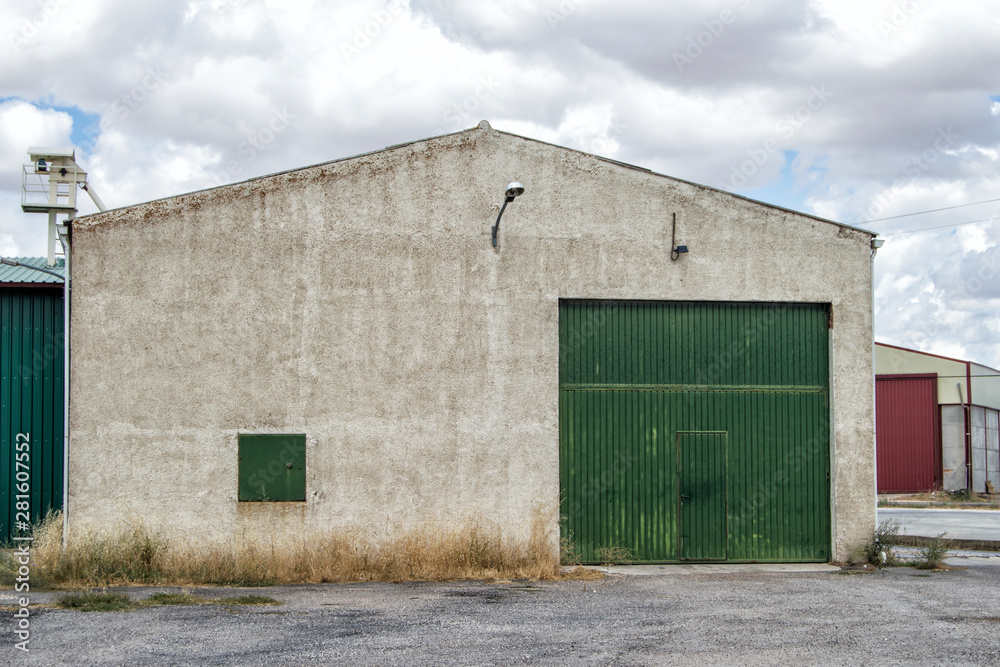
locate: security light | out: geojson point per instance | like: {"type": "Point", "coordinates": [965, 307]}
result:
{"type": "Point", "coordinates": [675, 250]}
{"type": "Point", "coordinates": [514, 189]}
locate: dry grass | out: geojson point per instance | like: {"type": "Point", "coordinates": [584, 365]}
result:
{"type": "Point", "coordinates": [135, 554]}
{"type": "Point", "coordinates": [614, 555]}
{"type": "Point", "coordinates": [580, 573]}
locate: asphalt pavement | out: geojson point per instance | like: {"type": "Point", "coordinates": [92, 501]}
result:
{"type": "Point", "coordinates": [895, 616]}
{"type": "Point", "coordinates": [961, 524]}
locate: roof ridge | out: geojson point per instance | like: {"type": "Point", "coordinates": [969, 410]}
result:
{"type": "Point", "coordinates": [486, 127]}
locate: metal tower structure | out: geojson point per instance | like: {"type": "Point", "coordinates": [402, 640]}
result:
{"type": "Point", "coordinates": [49, 184]}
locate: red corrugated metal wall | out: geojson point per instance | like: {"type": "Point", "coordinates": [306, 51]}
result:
{"type": "Point", "coordinates": [908, 443]}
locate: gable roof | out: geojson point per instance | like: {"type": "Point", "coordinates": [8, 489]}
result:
{"type": "Point", "coordinates": [485, 126]}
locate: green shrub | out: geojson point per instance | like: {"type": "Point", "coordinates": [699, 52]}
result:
{"type": "Point", "coordinates": [963, 495]}
{"type": "Point", "coordinates": [170, 599]}
{"type": "Point", "coordinates": [249, 599]}
{"type": "Point", "coordinates": [93, 601]}
{"type": "Point", "coordinates": [932, 554]}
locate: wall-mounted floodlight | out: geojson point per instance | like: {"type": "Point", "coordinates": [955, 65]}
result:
{"type": "Point", "coordinates": [675, 250]}
{"type": "Point", "coordinates": [514, 189]}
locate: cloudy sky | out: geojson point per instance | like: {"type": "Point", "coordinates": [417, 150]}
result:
{"type": "Point", "coordinates": [855, 110]}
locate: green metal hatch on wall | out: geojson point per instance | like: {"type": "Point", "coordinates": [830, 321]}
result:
{"type": "Point", "coordinates": [272, 467]}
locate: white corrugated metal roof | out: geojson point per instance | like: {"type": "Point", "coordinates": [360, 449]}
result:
{"type": "Point", "coordinates": [20, 274]}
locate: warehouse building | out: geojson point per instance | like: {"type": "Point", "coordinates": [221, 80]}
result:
{"type": "Point", "coordinates": [401, 338]}
{"type": "Point", "coordinates": [31, 392]}
{"type": "Point", "coordinates": [938, 422]}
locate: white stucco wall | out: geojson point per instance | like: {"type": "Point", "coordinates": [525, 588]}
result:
{"type": "Point", "coordinates": [360, 302]}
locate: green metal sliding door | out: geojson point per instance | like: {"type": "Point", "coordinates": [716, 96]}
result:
{"type": "Point", "coordinates": [695, 431]}
{"type": "Point", "coordinates": [31, 405]}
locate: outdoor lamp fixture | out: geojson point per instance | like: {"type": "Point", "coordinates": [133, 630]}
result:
{"type": "Point", "coordinates": [41, 165]}
{"type": "Point", "coordinates": [675, 250]}
{"type": "Point", "coordinates": [514, 189]}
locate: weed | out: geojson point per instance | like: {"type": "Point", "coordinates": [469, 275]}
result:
{"type": "Point", "coordinates": [932, 554]}
{"type": "Point", "coordinates": [568, 553]}
{"type": "Point", "coordinates": [963, 495]}
{"type": "Point", "coordinates": [93, 601]}
{"type": "Point", "coordinates": [249, 599]}
{"type": "Point", "coordinates": [878, 550]}
{"type": "Point", "coordinates": [238, 582]}
{"type": "Point", "coordinates": [171, 599]}
{"type": "Point", "coordinates": [614, 555]}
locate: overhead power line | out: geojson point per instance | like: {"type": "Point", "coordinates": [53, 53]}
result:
{"type": "Point", "coordinates": [927, 229]}
{"type": "Point", "coordinates": [933, 210]}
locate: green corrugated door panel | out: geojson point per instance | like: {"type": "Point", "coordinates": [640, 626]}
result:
{"type": "Point", "coordinates": [701, 495]}
{"type": "Point", "coordinates": [634, 374]}
{"type": "Point", "coordinates": [682, 343]}
{"type": "Point", "coordinates": [616, 474]}
{"type": "Point", "coordinates": [31, 399]}
{"type": "Point", "coordinates": [272, 467]}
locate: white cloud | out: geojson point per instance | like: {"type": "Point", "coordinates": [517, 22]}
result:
{"type": "Point", "coordinates": [23, 125]}
{"type": "Point", "coordinates": [8, 246]}
{"type": "Point", "coordinates": [907, 122]}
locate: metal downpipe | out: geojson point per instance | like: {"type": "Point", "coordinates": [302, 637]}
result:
{"type": "Point", "coordinates": [65, 241]}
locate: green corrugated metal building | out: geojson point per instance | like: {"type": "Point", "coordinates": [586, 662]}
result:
{"type": "Point", "coordinates": [31, 391]}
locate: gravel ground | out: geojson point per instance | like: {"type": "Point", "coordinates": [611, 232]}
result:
{"type": "Point", "coordinates": [895, 616]}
